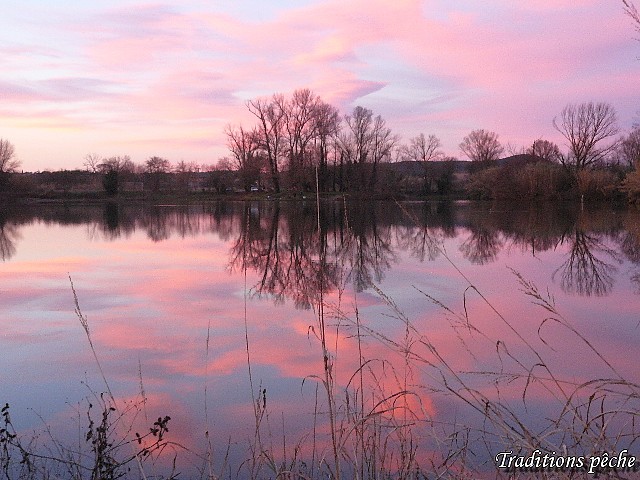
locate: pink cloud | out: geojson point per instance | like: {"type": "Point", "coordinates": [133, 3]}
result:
{"type": "Point", "coordinates": [182, 73]}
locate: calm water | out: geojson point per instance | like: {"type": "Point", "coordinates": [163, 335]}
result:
{"type": "Point", "coordinates": [173, 294]}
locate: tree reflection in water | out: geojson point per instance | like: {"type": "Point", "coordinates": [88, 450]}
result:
{"type": "Point", "coordinates": [630, 245]}
{"type": "Point", "coordinates": [584, 272]}
{"type": "Point", "coordinates": [293, 257]}
{"type": "Point", "coordinates": [359, 242]}
{"type": "Point", "coordinates": [282, 244]}
{"type": "Point", "coordinates": [482, 246]}
{"type": "Point", "coordinates": [8, 237]}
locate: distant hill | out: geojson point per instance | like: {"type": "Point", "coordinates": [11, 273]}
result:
{"type": "Point", "coordinates": [518, 160]}
{"type": "Point", "coordinates": [416, 169]}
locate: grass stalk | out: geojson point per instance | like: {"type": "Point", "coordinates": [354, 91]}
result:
{"type": "Point", "coordinates": [85, 325]}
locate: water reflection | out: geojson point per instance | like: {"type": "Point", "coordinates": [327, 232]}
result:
{"type": "Point", "coordinates": [586, 270]}
{"type": "Point", "coordinates": [358, 242]}
{"type": "Point", "coordinates": [155, 281]}
{"type": "Point", "coordinates": [8, 237]}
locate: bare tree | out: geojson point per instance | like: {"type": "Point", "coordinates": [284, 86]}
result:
{"type": "Point", "coordinates": [481, 146]}
{"type": "Point", "coordinates": [365, 142]}
{"type": "Point", "coordinates": [358, 134]}
{"type": "Point", "coordinates": [630, 148]}
{"type": "Point", "coordinates": [545, 150]}
{"type": "Point", "coordinates": [587, 127]}
{"type": "Point", "coordinates": [244, 147]}
{"type": "Point", "coordinates": [382, 143]}
{"type": "Point", "coordinates": [270, 115]}
{"type": "Point", "coordinates": [92, 162]}
{"type": "Point", "coordinates": [424, 149]}
{"type": "Point", "coordinates": [300, 115]}
{"type": "Point", "coordinates": [119, 164]}
{"type": "Point", "coordinates": [8, 164]}
{"type": "Point", "coordinates": [157, 165]}
{"type": "Point", "coordinates": [157, 169]}
{"type": "Point", "coordinates": [328, 126]}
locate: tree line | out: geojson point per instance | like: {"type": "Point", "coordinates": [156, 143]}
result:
{"type": "Point", "coordinates": [300, 143]}
{"type": "Point", "coordinates": [301, 140]}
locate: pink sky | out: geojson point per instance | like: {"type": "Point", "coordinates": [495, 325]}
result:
{"type": "Point", "coordinates": [132, 78]}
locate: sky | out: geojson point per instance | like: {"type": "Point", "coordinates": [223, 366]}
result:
{"type": "Point", "coordinates": [127, 77]}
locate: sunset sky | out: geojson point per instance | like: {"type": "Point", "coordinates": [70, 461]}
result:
{"type": "Point", "coordinates": [126, 77]}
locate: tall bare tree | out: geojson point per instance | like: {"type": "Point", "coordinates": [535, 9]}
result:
{"type": "Point", "coordinates": [481, 146]}
{"type": "Point", "coordinates": [300, 113]}
{"type": "Point", "coordinates": [328, 126]}
{"type": "Point", "coordinates": [244, 146]}
{"type": "Point", "coordinates": [270, 115]}
{"type": "Point", "coordinates": [365, 141]}
{"type": "Point", "coordinates": [587, 127]}
{"type": "Point", "coordinates": [382, 143]}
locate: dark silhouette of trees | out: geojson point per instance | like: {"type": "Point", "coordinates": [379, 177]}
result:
{"type": "Point", "coordinates": [115, 170]}
{"type": "Point", "coordinates": [119, 164]}
{"type": "Point", "coordinates": [587, 127]}
{"type": "Point", "coordinates": [156, 169]}
{"type": "Point", "coordinates": [111, 183]}
{"type": "Point", "coordinates": [7, 161]}
{"type": "Point", "coordinates": [220, 177]}
{"type": "Point", "coordinates": [481, 146]}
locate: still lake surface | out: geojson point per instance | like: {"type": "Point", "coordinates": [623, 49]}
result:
{"type": "Point", "coordinates": [173, 294]}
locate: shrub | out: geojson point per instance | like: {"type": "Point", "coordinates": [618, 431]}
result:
{"type": "Point", "coordinates": [631, 185]}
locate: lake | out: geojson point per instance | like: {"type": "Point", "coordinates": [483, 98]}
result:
{"type": "Point", "coordinates": [278, 336]}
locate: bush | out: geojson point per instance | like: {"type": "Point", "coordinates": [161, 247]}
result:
{"type": "Point", "coordinates": [539, 181]}
{"type": "Point", "coordinates": [597, 184]}
{"type": "Point", "coordinates": [631, 185]}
